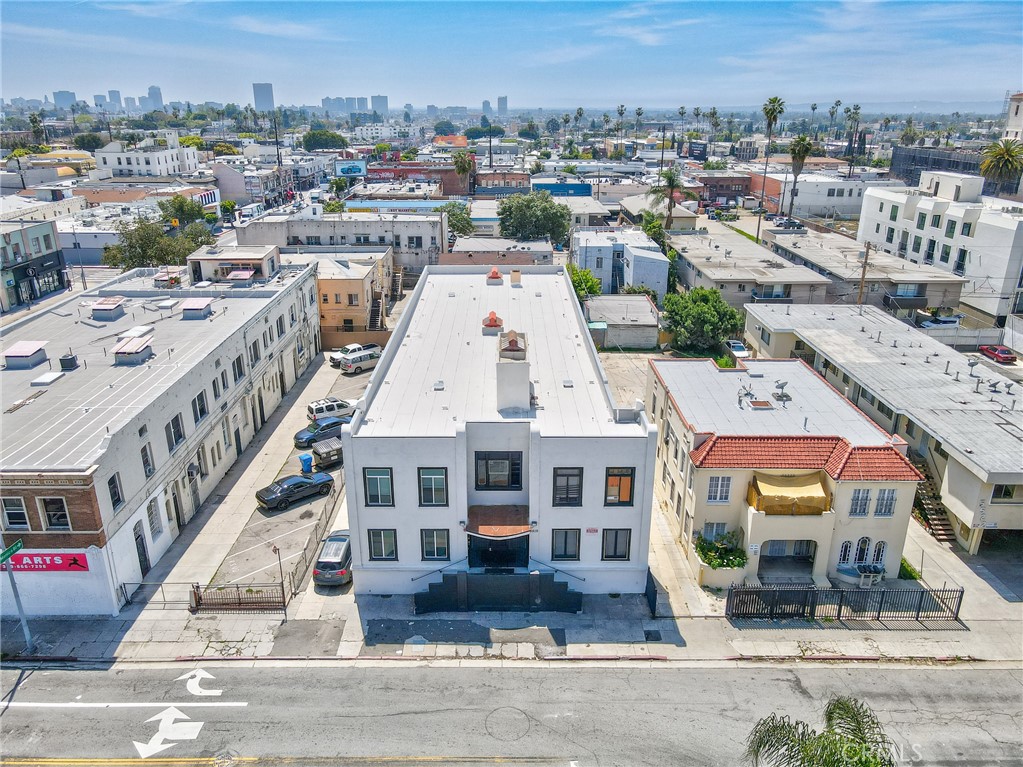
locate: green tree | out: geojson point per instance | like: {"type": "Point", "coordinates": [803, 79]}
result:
{"type": "Point", "coordinates": [654, 229]}
{"type": "Point", "coordinates": [715, 165]}
{"type": "Point", "coordinates": [700, 319]}
{"type": "Point", "coordinates": [333, 206]}
{"type": "Point", "coordinates": [852, 737]}
{"type": "Point", "coordinates": [227, 209]}
{"type": "Point", "coordinates": [773, 109]}
{"type": "Point", "coordinates": [799, 149]}
{"type": "Point", "coordinates": [323, 139]}
{"type": "Point", "coordinates": [665, 190]}
{"type": "Point", "coordinates": [570, 169]}
{"type": "Point", "coordinates": [459, 221]}
{"type": "Point", "coordinates": [338, 186]}
{"type": "Point", "coordinates": [35, 119]}
{"type": "Point", "coordinates": [1003, 161]}
{"type": "Point", "coordinates": [379, 149]}
{"type": "Point", "coordinates": [553, 126]}
{"type": "Point", "coordinates": [536, 167]}
{"type": "Point", "coordinates": [194, 237]}
{"type": "Point", "coordinates": [222, 149]}
{"type": "Point", "coordinates": [143, 244]}
{"type": "Point", "coordinates": [531, 131]}
{"type": "Point", "coordinates": [195, 142]}
{"type": "Point", "coordinates": [89, 142]}
{"type": "Point", "coordinates": [182, 208]}
{"type": "Point", "coordinates": [584, 282]}
{"type": "Point", "coordinates": [534, 216]}
{"type": "Point", "coordinates": [445, 128]}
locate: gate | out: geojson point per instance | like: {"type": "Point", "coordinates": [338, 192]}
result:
{"type": "Point", "coordinates": [811, 603]}
{"type": "Point", "coordinates": [242, 597]}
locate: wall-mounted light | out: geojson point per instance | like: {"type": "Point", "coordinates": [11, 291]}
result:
{"type": "Point", "coordinates": [461, 523]}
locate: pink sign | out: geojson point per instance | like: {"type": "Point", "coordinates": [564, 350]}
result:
{"type": "Point", "coordinates": [65, 562]}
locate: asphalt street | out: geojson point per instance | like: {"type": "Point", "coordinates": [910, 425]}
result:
{"type": "Point", "coordinates": [395, 714]}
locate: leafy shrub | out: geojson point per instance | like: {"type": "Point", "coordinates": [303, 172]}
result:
{"type": "Point", "coordinates": [723, 552]}
{"type": "Point", "coordinates": [907, 572]}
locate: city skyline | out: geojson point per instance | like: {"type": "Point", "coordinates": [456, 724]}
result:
{"type": "Point", "coordinates": [661, 54]}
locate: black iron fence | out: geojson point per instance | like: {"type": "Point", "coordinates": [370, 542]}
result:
{"type": "Point", "coordinates": [811, 603]}
{"type": "Point", "coordinates": [242, 597]}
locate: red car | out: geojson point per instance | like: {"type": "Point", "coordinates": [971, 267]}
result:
{"type": "Point", "coordinates": [998, 353]}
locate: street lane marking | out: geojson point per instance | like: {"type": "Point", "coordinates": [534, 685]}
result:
{"type": "Point", "coordinates": [258, 545]}
{"type": "Point", "coordinates": [194, 681]}
{"type": "Point", "coordinates": [182, 761]}
{"type": "Point", "coordinates": [159, 704]}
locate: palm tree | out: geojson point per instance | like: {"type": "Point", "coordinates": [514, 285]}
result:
{"type": "Point", "coordinates": [714, 121]}
{"type": "Point", "coordinates": [639, 119]}
{"type": "Point", "coordinates": [566, 119]}
{"type": "Point", "coordinates": [464, 166]}
{"type": "Point", "coordinates": [854, 117]}
{"type": "Point", "coordinates": [696, 113]}
{"type": "Point", "coordinates": [682, 117]}
{"type": "Point", "coordinates": [852, 735]}
{"type": "Point", "coordinates": [813, 117]}
{"type": "Point", "coordinates": [1003, 161]}
{"type": "Point", "coordinates": [621, 121]}
{"type": "Point", "coordinates": [799, 149]}
{"type": "Point", "coordinates": [665, 190]}
{"type": "Point", "coordinates": [579, 112]}
{"type": "Point", "coordinates": [885, 123]}
{"type": "Point", "coordinates": [606, 119]}
{"type": "Point", "coordinates": [773, 108]}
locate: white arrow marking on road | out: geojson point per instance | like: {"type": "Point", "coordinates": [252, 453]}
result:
{"type": "Point", "coordinates": [194, 679]}
{"type": "Point", "coordinates": [169, 730]}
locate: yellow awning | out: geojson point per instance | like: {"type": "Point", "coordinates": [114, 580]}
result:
{"type": "Point", "coordinates": [790, 495]}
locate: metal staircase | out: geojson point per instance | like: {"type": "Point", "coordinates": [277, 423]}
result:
{"type": "Point", "coordinates": [928, 504]}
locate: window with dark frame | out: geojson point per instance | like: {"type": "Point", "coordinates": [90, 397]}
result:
{"type": "Point", "coordinates": [55, 511]}
{"type": "Point", "coordinates": [498, 470]}
{"type": "Point", "coordinates": [435, 545]}
{"type": "Point", "coordinates": [379, 487]}
{"type": "Point", "coordinates": [568, 487]}
{"type": "Point", "coordinates": [15, 514]}
{"type": "Point", "coordinates": [383, 545]}
{"type": "Point", "coordinates": [114, 488]}
{"type": "Point", "coordinates": [565, 545]}
{"type": "Point", "coordinates": [616, 544]}
{"type": "Point", "coordinates": [148, 466]}
{"type": "Point", "coordinates": [433, 487]}
{"type": "Point", "coordinates": [618, 486]}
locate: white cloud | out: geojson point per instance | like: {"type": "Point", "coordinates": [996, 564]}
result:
{"type": "Point", "coordinates": [279, 28]}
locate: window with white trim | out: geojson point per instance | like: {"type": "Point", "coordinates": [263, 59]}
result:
{"type": "Point", "coordinates": [153, 514]}
{"type": "Point", "coordinates": [845, 553]}
{"type": "Point", "coordinates": [862, 550]}
{"type": "Point", "coordinates": [435, 544]}
{"type": "Point", "coordinates": [885, 506]}
{"type": "Point", "coordinates": [55, 513]}
{"type": "Point", "coordinates": [713, 530]}
{"type": "Point", "coordinates": [860, 503]}
{"type": "Point", "coordinates": [565, 545]}
{"type": "Point", "coordinates": [383, 544]}
{"type": "Point", "coordinates": [879, 551]}
{"type": "Point", "coordinates": [433, 487]}
{"type": "Point", "coordinates": [719, 489]}
{"type": "Point", "coordinates": [378, 487]}
{"type": "Point", "coordinates": [15, 515]}
{"type": "Point", "coordinates": [616, 544]}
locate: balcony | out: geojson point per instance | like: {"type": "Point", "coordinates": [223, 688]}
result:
{"type": "Point", "coordinates": [760, 297]}
{"type": "Point", "coordinates": [788, 496]}
{"type": "Point", "coordinates": [904, 302]}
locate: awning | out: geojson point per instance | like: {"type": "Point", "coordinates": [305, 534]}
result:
{"type": "Point", "coordinates": [498, 521]}
{"type": "Point", "coordinates": [790, 495]}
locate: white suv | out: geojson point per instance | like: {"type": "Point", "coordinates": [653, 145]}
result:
{"type": "Point", "coordinates": [329, 406]}
{"type": "Point", "coordinates": [344, 351]}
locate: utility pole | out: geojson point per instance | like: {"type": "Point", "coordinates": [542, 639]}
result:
{"type": "Point", "coordinates": [660, 166]}
{"type": "Point", "coordinates": [863, 275]}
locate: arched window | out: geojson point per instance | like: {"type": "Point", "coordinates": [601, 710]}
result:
{"type": "Point", "coordinates": [879, 551]}
{"type": "Point", "coordinates": [862, 550]}
{"type": "Point", "coordinates": [845, 552]}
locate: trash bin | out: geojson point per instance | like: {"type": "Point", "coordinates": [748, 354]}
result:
{"type": "Point", "coordinates": [307, 462]}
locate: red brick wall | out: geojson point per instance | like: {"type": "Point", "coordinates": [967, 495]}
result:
{"type": "Point", "coordinates": [82, 507]}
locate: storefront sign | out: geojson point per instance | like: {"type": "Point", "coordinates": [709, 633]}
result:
{"type": "Point", "coordinates": [65, 562]}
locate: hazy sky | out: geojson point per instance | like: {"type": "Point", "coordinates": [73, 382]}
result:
{"type": "Point", "coordinates": [551, 54]}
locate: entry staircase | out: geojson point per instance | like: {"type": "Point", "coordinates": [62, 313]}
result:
{"type": "Point", "coordinates": [498, 592]}
{"type": "Point", "coordinates": [374, 316]}
{"type": "Point", "coordinates": [928, 501]}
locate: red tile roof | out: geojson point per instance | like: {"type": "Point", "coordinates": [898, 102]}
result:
{"type": "Point", "coordinates": [834, 455]}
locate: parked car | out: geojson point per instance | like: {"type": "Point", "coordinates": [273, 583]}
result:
{"type": "Point", "coordinates": [285, 491]}
{"type": "Point", "coordinates": [336, 358]}
{"type": "Point", "coordinates": [737, 349]}
{"type": "Point", "coordinates": [334, 565]}
{"type": "Point", "coordinates": [998, 353]}
{"type": "Point", "coordinates": [321, 429]}
{"type": "Point", "coordinates": [758, 211]}
{"type": "Point", "coordinates": [943, 322]}
{"type": "Point", "coordinates": [771, 216]}
{"type": "Point", "coordinates": [362, 360]}
{"type": "Point", "coordinates": [328, 406]}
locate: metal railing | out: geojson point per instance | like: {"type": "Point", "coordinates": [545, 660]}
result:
{"type": "Point", "coordinates": [143, 593]}
{"type": "Point", "coordinates": [811, 603]}
{"type": "Point", "coordinates": [439, 569]}
{"type": "Point", "coordinates": [293, 579]}
{"type": "Point", "coordinates": [240, 597]}
{"type": "Point", "coordinates": [557, 569]}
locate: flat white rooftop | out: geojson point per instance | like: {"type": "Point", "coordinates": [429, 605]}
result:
{"type": "Point", "coordinates": [605, 237]}
{"type": "Point", "coordinates": [725, 256]}
{"type": "Point", "coordinates": [716, 400]}
{"type": "Point", "coordinates": [979, 418]}
{"type": "Point", "coordinates": [444, 341]}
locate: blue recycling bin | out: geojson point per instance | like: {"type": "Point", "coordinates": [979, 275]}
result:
{"type": "Point", "coordinates": [307, 462]}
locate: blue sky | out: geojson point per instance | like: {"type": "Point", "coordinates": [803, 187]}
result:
{"type": "Point", "coordinates": [551, 54]}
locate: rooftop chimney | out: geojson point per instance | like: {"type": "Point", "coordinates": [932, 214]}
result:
{"type": "Point", "coordinates": [494, 278]}
{"type": "Point", "coordinates": [513, 385]}
{"type": "Point", "coordinates": [492, 324]}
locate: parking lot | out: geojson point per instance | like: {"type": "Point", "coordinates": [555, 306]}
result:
{"type": "Point", "coordinates": [252, 558]}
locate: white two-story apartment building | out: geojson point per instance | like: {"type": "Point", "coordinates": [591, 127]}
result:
{"type": "Point", "coordinates": [120, 424]}
{"type": "Point", "coordinates": [946, 222]}
{"type": "Point", "coordinates": [488, 463]}
{"type": "Point", "coordinates": [161, 155]}
{"type": "Point", "coordinates": [620, 256]}
{"type": "Point", "coordinates": [772, 456]}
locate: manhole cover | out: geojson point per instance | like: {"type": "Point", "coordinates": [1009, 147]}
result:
{"type": "Point", "coordinates": [652, 635]}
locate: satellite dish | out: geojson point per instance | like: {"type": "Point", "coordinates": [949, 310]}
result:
{"type": "Point", "coordinates": [780, 385]}
{"type": "Point", "coordinates": [973, 362]}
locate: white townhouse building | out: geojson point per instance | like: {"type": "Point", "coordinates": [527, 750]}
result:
{"type": "Point", "coordinates": [947, 223]}
{"type": "Point", "coordinates": [962, 420]}
{"type": "Point", "coordinates": [120, 422]}
{"type": "Point", "coordinates": [620, 256]}
{"type": "Point", "coordinates": [418, 239]}
{"type": "Point", "coordinates": [488, 464]}
{"type": "Point", "coordinates": [159, 156]}
{"type": "Point", "coordinates": [807, 485]}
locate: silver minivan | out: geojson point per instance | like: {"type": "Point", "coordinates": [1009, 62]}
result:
{"type": "Point", "coordinates": [356, 363]}
{"type": "Point", "coordinates": [334, 565]}
{"type": "Point", "coordinates": [328, 406]}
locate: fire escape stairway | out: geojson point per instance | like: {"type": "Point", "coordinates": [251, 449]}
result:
{"type": "Point", "coordinates": [374, 316]}
{"type": "Point", "coordinates": [929, 505]}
